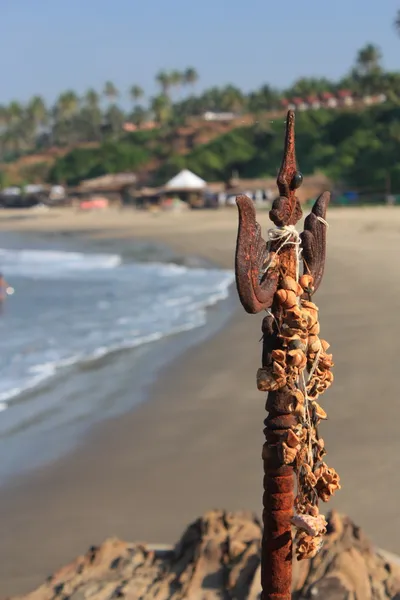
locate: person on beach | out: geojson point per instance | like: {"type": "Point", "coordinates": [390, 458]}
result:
{"type": "Point", "coordinates": [3, 288]}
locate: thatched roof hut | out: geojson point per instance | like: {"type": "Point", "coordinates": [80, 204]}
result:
{"type": "Point", "coordinates": [114, 182]}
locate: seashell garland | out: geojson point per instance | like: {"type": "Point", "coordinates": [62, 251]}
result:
{"type": "Point", "coordinates": [303, 367]}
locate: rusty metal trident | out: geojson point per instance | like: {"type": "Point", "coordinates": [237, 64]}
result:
{"type": "Point", "coordinates": [260, 268]}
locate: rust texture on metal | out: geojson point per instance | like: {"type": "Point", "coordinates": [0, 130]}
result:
{"type": "Point", "coordinates": [261, 272]}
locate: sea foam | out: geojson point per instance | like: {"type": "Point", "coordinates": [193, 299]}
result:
{"type": "Point", "coordinates": [72, 307]}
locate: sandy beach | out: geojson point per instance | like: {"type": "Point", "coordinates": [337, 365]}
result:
{"type": "Point", "coordinates": [196, 443]}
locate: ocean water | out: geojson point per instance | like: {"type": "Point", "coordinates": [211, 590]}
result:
{"type": "Point", "coordinates": [70, 307]}
{"type": "Point", "coordinates": [70, 314]}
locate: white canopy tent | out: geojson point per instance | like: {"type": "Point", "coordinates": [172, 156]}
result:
{"type": "Point", "coordinates": [185, 181]}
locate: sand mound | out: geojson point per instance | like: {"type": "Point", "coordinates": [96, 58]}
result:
{"type": "Point", "coordinates": [219, 557]}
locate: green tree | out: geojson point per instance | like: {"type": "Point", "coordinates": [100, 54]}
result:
{"type": "Point", "coordinates": [114, 119]}
{"type": "Point", "coordinates": [397, 22]}
{"type": "Point", "coordinates": [37, 111]}
{"type": "Point", "coordinates": [67, 105]}
{"type": "Point", "coordinates": [110, 91]}
{"type": "Point", "coordinates": [232, 99]}
{"type": "Point", "coordinates": [15, 112]}
{"type": "Point", "coordinates": [390, 85]}
{"type": "Point", "coordinates": [4, 179]}
{"type": "Point", "coordinates": [227, 153]}
{"type": "Point", "coordinates": [394, 130]}
{"type": "Point", "coordinates": [64, 112]}
{"type": "Point", "coordinates": [309, 86]}
{"type": "Point", "coordinates": [164, 81]}
{"type": "Point", "coordinates": [4, 121]}
{"type": "Point", "coordinates": [190, 77]}
{"type": "Point", "coordinates": [89, 120]}
{"type": "Point", "coordinates": [84, 163]}
{"type": "Point", "coordinates": [139, 115]}
{"type": "Point", "coordinates": [368, 60]}
{"type": "Point", "coordinates": [161, 108]}
{"type": "Point", "coordinates": [91, 99]}
{"type": "Point", "coordinates": [136, 93]}
{"type": "Point", "coordinates": [176, 79]}
{"type": "Point", "coordinates": [18, 132]}
{"type": "Point", "coordinates": [36, 172]}
{"type": "Point", "coordinates": [264, 99]}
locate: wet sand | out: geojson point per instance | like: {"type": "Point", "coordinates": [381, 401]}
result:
{"type": "Point", "coordinates": [196, 443]}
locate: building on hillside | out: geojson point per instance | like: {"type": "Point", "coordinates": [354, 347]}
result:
{"type": "Point", "coordinates": [381, 98]}
{"type": "Point", "coordinates": [299, 103]}
{"type": "Point", "coordinates": [376, 99]}
{"type": "Point", "coordinates": [367, 100]}
{"type": "Point", "coordinates": [313, 102]}
{"type": "Point", "coordinates": [218, 116]}
{"type": "Point", "coordinates": [345, 98]}
{"type": "Point", "coordinates": [287, 104]}
{"type": "Point", "coordinates": [342, 99]}
{"type": "Point", "coordinates": [131, 127]}
{"type": "Point", "coordinates": [328, 100]}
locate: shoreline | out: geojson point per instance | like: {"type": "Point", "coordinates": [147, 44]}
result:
{"type": "Point", "coordinates": [196, 443]}
{"type": "Point", "coordinates": [21, 443]}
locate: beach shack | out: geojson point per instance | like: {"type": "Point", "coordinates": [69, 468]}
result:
{"type": "Point", "coordinates": [263, 191]}
{"type": "Point", "coordinates": [116, 188]}
{"type": "Point", "coordinates": [187, 187]}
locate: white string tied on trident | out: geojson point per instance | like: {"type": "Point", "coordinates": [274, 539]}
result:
{"type": "Point", "coordinates": [287, 235]}
{"type": "Point", "coordinates": [323, 222]}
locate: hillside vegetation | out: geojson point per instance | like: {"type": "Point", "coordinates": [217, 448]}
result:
{"type": "Point", "coordinates": [357, 149]}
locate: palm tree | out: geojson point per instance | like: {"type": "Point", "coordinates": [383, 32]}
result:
{"type": "Point", "coordinates": [91, 99]}
{"type": "Point", "coordinates": [17, 127]}
{"type": "Point", "coordinates": [176, 79]}
{"type": "Point", "coordinates": [139, 116]}
{"type": "Point", "coordinates": [114, 119]}
{"type": "Point", "coordinates": [110, 91]}
{"type": "Point", "coordinates": [161, 107]}
{"type": "Point", "coordinates": [232, 99]}
{"type": "Point", "coordinates": [90, 117]}
{"type": "Point", "coordinates": [15, 112]}
{"type": "Point", "coordinates": [11, 141]}
{"type": "Point", "coordinates": [34, 118]}
{"type": "Point", "coordinates": [164, 81]}
{"type": "Point", "coordinates": [368, 60]}
{"type": "Point", "coordinates": [264, 99]}
{"type": "Point", "coordinates": [397, 22]}
{"type": "Point", "coordinates": [64, 113]}
{"type": "Point", "coordinates": [37, 111]}
{"type": "Point", "coordinates": [66, 105]}
{"type": "Point", "coordinates": [4, 117]}
{"type": "Point", "coordinates": [307, 86]}
{"type": "Point", "coordinates": [136, 92]}
{"type": "Point", "coordinates": [190, 77]}
{"type": "Point", "coordinates": [394, 131]}
{"type": "Point", "coordinates": [390, 85]}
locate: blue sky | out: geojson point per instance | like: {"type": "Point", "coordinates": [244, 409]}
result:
{"type": "Point", "coordinates": [47, 46]}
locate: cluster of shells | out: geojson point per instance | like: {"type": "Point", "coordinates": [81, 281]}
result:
{"type": "Point", "coordinates": [301, 367]}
